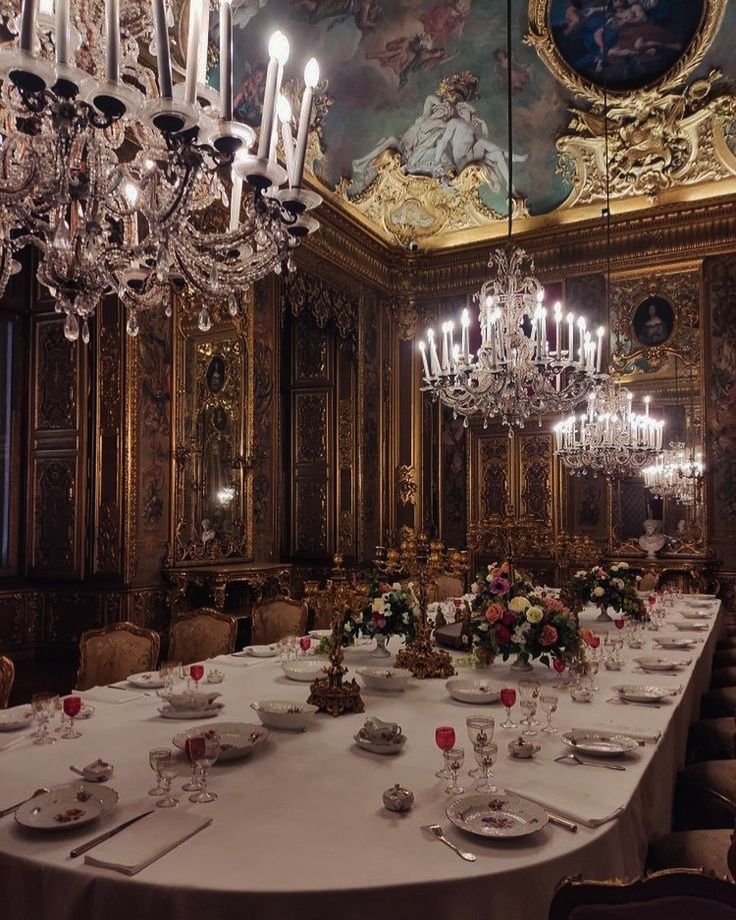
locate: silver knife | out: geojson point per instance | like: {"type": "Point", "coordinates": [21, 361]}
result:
{"type": "Point", "coordinates": [554, 818]}
{"type": "Point", "coordinates": [78, 851]}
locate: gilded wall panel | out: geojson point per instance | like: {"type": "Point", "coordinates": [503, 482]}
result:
{"type": "Point", "coordinates": [56, 377]}
{"type": "Point", "coordinates": [493, 476]}
{"type": "Point", "coordinates": [453, 491]}
{"type": "Point", "coordinates": [369, 431]}
{"type": "Point", "coordinates": [311, 427]}
{"type": "Point", "coordinates": [535, 477]}
{"type": "Point", "coordinates": [54, 515]}
{"type": "Point", "coordinates": [311, 509]}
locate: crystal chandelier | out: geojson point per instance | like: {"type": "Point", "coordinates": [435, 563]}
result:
{"type": "Point", "coordinates": [610, 439]}
{"type": "Point", "coordinates": [531, 361]}
{"type": "Point", "coordinates": [676, 474]}
{"type": "Point", "coordinates": [136, 187]}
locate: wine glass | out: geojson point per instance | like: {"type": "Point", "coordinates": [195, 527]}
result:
{"type": "Point", "coordinates": [44, 706]}
{"type": "Point", "coordinates": [480, 732]}
{"type": "Point", "coordinates": [444, 737]}
{"type": "Point", "coordinates": [593, 660]}
{"type": "Point", "coordinates": [204, 751]}
{"type": "Point", "coordinates": [548, 702]}
{"type": "Point", "coordinates": [168, 769]}
{"type": "Point", "coordinates": [508, 698]}
{"type": "Point", "coordinates": [72, 706]}
{"type": "Point", "coordinates": [305, 643]}
{"type": "Point", "coordinates": [154, 755]}
{"type": "Point", "coordinates": [194, 783]}
{"type": "Point", "coordinates": [167, 672]}
{"type": "Point", "coordinates": [529, 688]}
{"type": "Point", "coordinates": [528, 706]}
{"type": "Point", "coordinates": [454, 758]}
{"type": "Point", "coordinates": [196, 672]}
{"type": "Point", "coordinates": [485, 756]}
{"type": "Point", "coordinates": [560, 666]}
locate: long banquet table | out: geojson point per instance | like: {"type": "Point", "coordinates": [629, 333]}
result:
{"type": "Point", "coordinates": [299, 832]}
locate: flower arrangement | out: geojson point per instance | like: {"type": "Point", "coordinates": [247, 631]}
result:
{"type": "Point", "coordinates": [392, 612]}
{"type": "Point", "coordinates": [497, 585]}
{"type": "Point", "coordinates": [612, 588]}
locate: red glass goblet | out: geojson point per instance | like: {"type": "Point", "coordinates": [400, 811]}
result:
{"type": "Point", "coordinates": [619, 623]}
{"type": "Point", "coordinates": [444, 736]}
{"type": "Point", "coordinates": [305, 643]}
{"type": "Point", "coordinates": [71, 706]}
{"type": "Point", "coordinates": [508, 698]}
{"type": "Point", "coordinates": [196, 672]}
{"type": "Point", "coordinates": [594, 641]}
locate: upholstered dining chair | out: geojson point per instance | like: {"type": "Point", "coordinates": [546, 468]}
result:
{"type": "Point", "coordinates": [669, 895]}
{"type": "Point", "coordinates": [705, 795]}
{"type": "Point", "coordinates": [114, 653]}
{"type": "Point", "coordinates": [201, 634]}
{"type": "Point", "coordinates": [449, 586]}
{"type": "Point", "coordinates": [649, 581]}
{"type": "Point", "coordinates": [713, 851]}
{"type": "Point", "coordinates": [7, 676]}
{"type": "Point", "coordinates": [278, 617]}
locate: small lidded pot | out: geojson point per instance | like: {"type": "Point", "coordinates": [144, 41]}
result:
{"type": "Point", "coordinates": [99, 771]}
{"type": "Point", "coordinates": [523, 749]}
{"type": "Point", "coordinates": [397, 798]}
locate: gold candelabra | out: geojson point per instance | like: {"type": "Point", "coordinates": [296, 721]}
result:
{"type": "Point", "coordinates": [421, 560]}
{"type": "Point", "coordinates": [506, 538]}
{"type": "Point", "coordinates": [333, 693]}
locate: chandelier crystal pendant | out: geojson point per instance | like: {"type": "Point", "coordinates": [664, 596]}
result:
{"type": "Point", "coordinates": [129, 185]}
{"type": "Point", "coordinates": [676, 474]}
{"type": "Point", "coordinates": [610, 439]}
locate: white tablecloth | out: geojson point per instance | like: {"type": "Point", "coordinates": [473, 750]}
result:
{"type": "Point", "coordinates": [299, 832]}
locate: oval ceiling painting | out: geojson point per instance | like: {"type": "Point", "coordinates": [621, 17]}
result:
{"type": "Point", "coordinates": [624, 44]}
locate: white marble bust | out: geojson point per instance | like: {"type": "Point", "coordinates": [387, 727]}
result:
{"type": "Point", "coordinates": [652, 540]}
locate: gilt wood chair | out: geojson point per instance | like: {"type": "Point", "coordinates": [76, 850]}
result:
{"type": "Point", "coordinates": [114, 653]}
{"type": "Point", "coordinates": [649, 581]}
{"type": "Point", "coordinates": [448, 586]}
{"type": "Point", "coordinates": [669, 895]}
{"type": "Point", "coordinates": [278, 617]}
{"type": "Point", "coordinates": [201, 634]}
{"type": "Point", "coordinates": [7, 676]}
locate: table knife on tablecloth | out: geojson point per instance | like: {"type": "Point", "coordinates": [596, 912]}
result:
{"type": "Point", "coordinates": [83, 848]}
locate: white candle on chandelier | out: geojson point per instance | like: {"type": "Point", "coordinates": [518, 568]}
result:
{"type": "Point", "coordinates": [543, 332]}
{"type": "Point", "coordinates": [451, 330]}
{"type": "Point", "coordinates": [647, 400]}
{"type": "Point", "coordinates": [163, 57]}
{"type": "Point", "coordinates": [287, 139]}
{"type": "Point", "coordinates": [423, 353]}
{"type": "Point", "coordinates": [226, 60]}
{"type": "Point", "coordinates": [465, 323]}
{"type": "Point", "coordinates": [236, 197]}
{"type": "Point", "coordinates": [455, 356]}
{"type": "Point", "coordinates": [195, 24]}
{"type": "Point", "coordinates": [28, 26]}
{"type": "Point", "coordinates": [570, 331]}
{"type": "Point", "coordinates": [311, 79]}
{"type": "Point", "coordinates": [112, 41]}
{"type": "Point", "coordinates": [558, 321]}
{"type": "Point", "coordinates": [599, 353]}
{"type": "Point", "coordinates": [433, 356]}
{"type": "Point", "coordinates": [445, 346]}
{"type": "Point", "coordinates": [204, 31]}
{"type": "Point", "coordinates": [278, 53]}
{"type": "Point", "coordinates": [581, 330]}
{"type": "Point", "coordinates": [587, 356]}
{"type": "Point", "coordinates": [61, 33]}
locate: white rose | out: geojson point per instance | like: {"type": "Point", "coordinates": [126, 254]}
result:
{"type": "Point", "coordinates": [619, 583]}
{"type": "Point", "coordinates": [623, 565]}
{"type": "Point", "coordinates": [377, 605]}
{"type": "Point", "coordinates": [405, 618]}
{"type": "Point", "coordinates": [483, 627]}
{"type": "Point", "coordinates": [387, 611]}
{"type": "Point", "coordinates": [518, 604]}
{"type": "Point", "coordinates": [581, 574]}
{"type": "Point", "coordinates": [396, 586]}
{"type": "Point", "coordinates": [614, 568]}
{"type": "Point", "coordinates": [489, 578]}
{"type": "Point", "coordinates": [598, 592]}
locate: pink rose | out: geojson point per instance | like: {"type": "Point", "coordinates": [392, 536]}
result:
{"type": "Point", "coordinates": [548, 636]}
{"type": "Point", "coordinates": [494, 613]}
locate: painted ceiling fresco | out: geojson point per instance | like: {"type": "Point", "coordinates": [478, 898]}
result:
{"type": "Point", "coordinates": [412, 122]}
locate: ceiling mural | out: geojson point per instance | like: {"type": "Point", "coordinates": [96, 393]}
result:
{"type": "Point", "coordinates": [411, 127]}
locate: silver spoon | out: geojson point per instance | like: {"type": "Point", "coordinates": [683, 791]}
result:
{"type": "Point", "coordinates": [437, 831]}
{"type": "Point", "coordinates": [9, 811]}
{"type": "Point", "coordinates": [573, 758]}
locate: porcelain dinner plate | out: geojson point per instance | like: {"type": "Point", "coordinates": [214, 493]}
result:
{"type": "Point", "coordinates": [472, 690]}
{"type": "Point", "coordinates": [148, 680]}
{"type": "Point", "coordinates": [377, 747]}
{"type": "Point", "coordinates": [67, 807]}
{"type": "Point", "coordinates": [652, 663]}
{"type": "Point", "coordinates": [696, 615]}
{"type": "Point", "coordinates": [692, 625]}
{"type": "Point", "coordinates": [320, 633]}
{"type": "Point", "coordinates": [261, 651]}
{"type": "Point", "coordinates": [386, 679]}
{"type": "Point", "coordinates": [699, 605]}
{"type": "Point", "coordinates": [675, 643]}
{"type": "Point", "coordinates": [285, 714]}
{"type": "Point", "coordinates": [14, 721]}
{"type": "Point", "coordinates": [599, 744]}
{"type": "Point", "coordinates": [304, 669]}
{"type": "Point", "coordinates": [237, 739]}
{"type": "Point", "coordinates": [496, 816]}
{"type": "Point", "coordinates": [168, 712]}
{"type": "Point", "coordinates": [642, 693]}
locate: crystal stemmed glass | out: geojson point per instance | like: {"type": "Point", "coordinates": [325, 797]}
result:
{"type": "Point", "coordinates": [454, 758]}
{"type": "Point", "coordinates": [71, 705]}
{"type": "Point", "coordinates": [528, 707]}
{"type": "Point", "coordinates": [480, 732]}
{"type": "Point", "coordinates": [529, 688]}
{"type": "Point", "coordinates": [485, 756]}
{"type": "Point", "coordinates": [594, 663]}
{"type": "Point", "coordinates": [548, 702]}
{"type": "Point", "coordinates": [444, 736]}
{"type": "Point", "coordinates": [508, 698]}
{"type": "Point", "coordinates": [194, 783]}
{"type": "Point", "coordinates": [560, 670]}
{"type": "Point", "coordinates": [206, 750]}
{"type": "Point", "coordinates": [154, 756]}
{"type": "Point", "coordinates": [196, 672]}
{"type": "Point", "coordinates": [44, 706]}
{"type": "Point", "coordinates": [168, 769]}
{"type": "Point", "coordinates": [305, 643]}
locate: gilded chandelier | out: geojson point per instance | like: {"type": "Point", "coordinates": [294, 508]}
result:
{"type": "Point", "coordinates": [129, 186]}
{"type": "Point", "coordinates": [525, 366]}
{"type": "Point", "coordinates": [610, 439]}
{"type": "Point", "coordinates": [676, 474]}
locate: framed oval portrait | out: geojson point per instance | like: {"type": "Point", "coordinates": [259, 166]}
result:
{"type": "Point", "coordinates": [653, 321]}
{"type": "Point", "coordinates": [216, 374]}
{"type": "Point", "coordinates": [622, 45]}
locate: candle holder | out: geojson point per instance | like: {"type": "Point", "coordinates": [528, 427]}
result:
{"type": "Point", "coordinates": [421, 560]}
{"type": "Point", "coordinates": [333, 693]}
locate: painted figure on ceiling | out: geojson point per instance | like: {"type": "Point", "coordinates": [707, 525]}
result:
{"type": "Point", "coordinates": [444, 21]}
{"type": "Point", "coordinates": [366, 14]}
{"type": "Point", "coordinates": [408, 55]}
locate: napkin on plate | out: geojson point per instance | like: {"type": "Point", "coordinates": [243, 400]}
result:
{"type": "Point", "coordinates": [146, 841]}
{"type": "Point", "coordinates": [570, 801]}
{"type": "Point", "coordinates": [638, 735]}
{"type": "Point", "coordinates": [109, 695]}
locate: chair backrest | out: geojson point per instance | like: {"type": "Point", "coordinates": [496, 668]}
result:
{"type": "Point", "coordinates": [649, 581]}
{"type": "Point", "coordinates": [114, 653]}
{"type": "Point", "coordinates": [201, 634]}
{"type": "Point", "coordinates": [7, 676]}
{"type": "Point", "coordinates": [449, 586]}
{"type": "Point", "coordinates": [675, 894]}
{"type": "Point", "coordinates": [278, 617]}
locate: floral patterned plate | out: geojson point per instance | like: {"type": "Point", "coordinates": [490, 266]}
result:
{"type": "Point", "coordinates": [696, 614]}
{"type": "Point", "coordinates": [496, 816]}
{"type": "Point", "coordinates": [643, 693]}
{"type": "Point", "coordinates": [66, 807]}
{"type": "Point", "coordinates": [691, 625]}
{"type": "Point", "coordinates": [237, 739]}
{"type": "Point", "coordinates": [14, 721]}
{"type": "Point", "coordinates": [147, 680]}
{"type": "Point", "coordinates": [599, 744]}
{"type": "Point", "coordinates": [472, 690]}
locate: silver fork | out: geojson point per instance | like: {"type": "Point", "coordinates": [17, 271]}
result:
{"type": "Point", "coordinates": [573, 757]}
{"type": "Point", "coordinates": [13, 808]}
{"type": "Point", "coordinates": [437, 831]}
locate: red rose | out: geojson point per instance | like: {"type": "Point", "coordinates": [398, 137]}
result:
{"type": "Point", "coordinates": [384, 587]}
{"type": "Point", "coordinates": [508, 619]}
{"type": "Point", "coordinates": [503, 636]}
{"type": "Point", "coordinates": [548, 635]}
{"type": "Point", "coordinates": [494, 613]}
{"type": "Point", "coordinates": [559, 665]}
{"type": "Point", "coordinates": [380, 622]}
{"type": "Point", "coordinates": [594, 641]}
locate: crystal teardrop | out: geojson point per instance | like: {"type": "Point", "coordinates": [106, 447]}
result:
{"type": "Point", "coordinates": [71, 327]}
{"type": "Point", "coordinates": [85, 332]}
{"type": "Point", "coordinates": [232, 305]}
{"type": "Point", "coordinates": [204, 322]}
{"type": "Point", "coordinates": [132, 327]}
{"type": "Point", "coordinates": [62, 238]}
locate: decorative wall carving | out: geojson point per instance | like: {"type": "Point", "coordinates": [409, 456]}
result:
{"type": "Point", "coordinates": [108, 539]}
{"type": "Point", "coordinates": [493, 476]}
{"type": "Point", "coordinates": [304, 291]}
{"type": "Point", "coordinates": [345, 430]}
{"type": "Point", "coordinates": [311, 354]}
{"type": "Point", "coordinates": [369, 434]}
{"type": "Point", "coordinates": [54, 514]}
{"type": "Point", "coordinates": [311, 427]}
{"type": "Point", "coordinates": [536, 477]}
{"type": "Point", "coordinates": [311, 518]}
{"type": "Point", "coordinates": [407, 485]}
{"type": "Point", "coordinates": [453, 491]}
{"type": "Point", "coordinates": [56, 392]}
